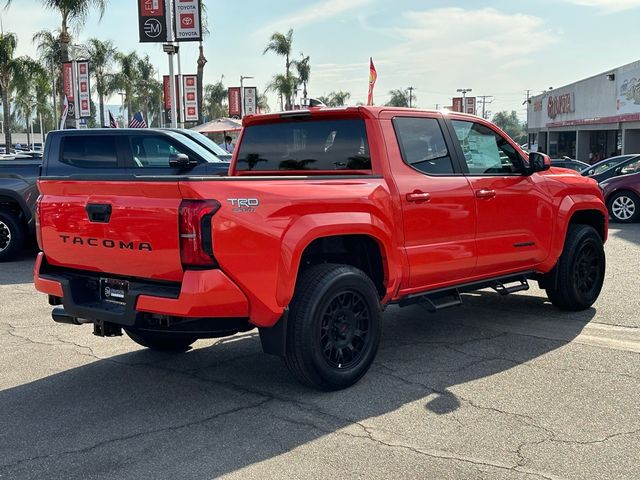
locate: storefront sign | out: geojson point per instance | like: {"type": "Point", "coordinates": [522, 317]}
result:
{"type": "Point", "coordinates": [457, 104]}
{"type": "Point", "coordinates": [234, 102]}
{"type": "Point", "coordinates": [628, 98]}
{"type": "Point", "coordinates": [187, 20]}
{"type": "Point", "coordinates": [250, 100]}
{"type": "Point", "coordinates": [84, 92]}
{"type": "Point", "coordinates": [560, 104]}
{"type": "Point", "coordinates": [190, 88]}
{"type": "Point", "coordinates": [152, 21]}
{"type": "Point", "coordinates": [470, 107]}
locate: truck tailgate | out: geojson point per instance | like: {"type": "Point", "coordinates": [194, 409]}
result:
{"type": "Point", "coordinates": [125, 228]}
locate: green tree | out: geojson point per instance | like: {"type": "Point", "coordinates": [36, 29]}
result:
{"type": "Point", "coordinates": [28, 73]}
{"type": "Point", "coordinates": [304, 72]}
{"type": "Point", "coordinates": [9, 71]}
{"type": "Point", "coordinates": [511, 124]}
{"type": "Point", "coordinates": [102, 55]}
{"type": "Point", "coordinates": [126, 79]}
{"type": "Point", "coordinates": [215, 97]}
{"type": "Point", "coordinates": [282, 44]}
{"type": "Point", "coordinates": [50, 54]}
{"type": "Point", "coordinates": [148, 90]}
{"type": "Point", "coordinates": [263, 103]}
{"type": "Point", "coordinates": [284, 86]}
{"type": "Point", "coordinates": [335, 99]}
{"type": "Point", "coordinates": [400, 98]}
{"type": "Point", "coordinates": [73, 13]}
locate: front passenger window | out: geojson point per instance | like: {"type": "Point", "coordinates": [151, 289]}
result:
{"type": "Point", "coordinates": [486, 152]}
{"type": "Point", "coordinates": [150, 151]}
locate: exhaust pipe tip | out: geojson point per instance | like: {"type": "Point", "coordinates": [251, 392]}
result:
{"type": "Point", "coordinates": [60, 316]}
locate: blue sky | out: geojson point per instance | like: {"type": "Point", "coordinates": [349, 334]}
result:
{"type": "Point", "coordinates": [495, 47]}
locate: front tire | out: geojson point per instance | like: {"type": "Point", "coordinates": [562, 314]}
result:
{"type": "Point", "coordinates": [164, 342]}
{"type": "Point", "coordinates": [333, 328]}
{"type": "Point", "coordinates": [11, 236]}
{"type": "Point", "coordinates": [624, 207]}
{"type": "Point", "coordinates": [576, 281]}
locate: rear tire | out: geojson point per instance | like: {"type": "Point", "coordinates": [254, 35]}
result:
{"type": "Point", "coordinates": [11, 236]}
{"type": "Point", "coordinates": [576, 281]}
{"type": "Point", "coordinates": [624, 207]}
{"type": "Point", "coordinates": [333, 328]}
{"type": "Point", "coordinates": [164, 342]}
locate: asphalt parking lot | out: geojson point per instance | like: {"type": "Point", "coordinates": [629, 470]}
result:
{"type": "Point", "coordinates": [498, 388]}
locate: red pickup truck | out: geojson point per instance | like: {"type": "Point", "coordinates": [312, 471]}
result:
{"type": "Point", "coordinates": [326, 217]}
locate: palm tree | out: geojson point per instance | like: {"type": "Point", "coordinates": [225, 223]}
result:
{"type": "Point", "coordinates": [282, 44]}
{"type": "Point", "coordinates": [338, 99]}
{"type": "Point", "coordinates": [27, 73]}
{"type": "Point", "coordinates": [102, 54]}
{"type": "Point", "coordinates": [202, 60]}
{"type": "Point", "coordinates": [73, 12]}
{"type": "Point", "coordinates": [215, 96]}
{"type": "Point", "coordinates": [263, 103]}
{"type": "Point", "coordinates": [148, 91]}
{"type": "Point", "coordinates": [126, 79]}
{"type": "Point", "coordinates": [304, 72]}
{"type": "Point", "coordinates": [284, 86]}
{"type": "Point", "coordinates": [399, 98]}
{"type": "Point", "coordinates": [50, 54]}
{"type": "Point", "coordinates": [42, 90]}
{"type": "Point", "coordinates": [9, 68]}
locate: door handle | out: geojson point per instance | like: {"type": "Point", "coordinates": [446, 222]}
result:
{"type": "Point", "coordinates": [418, 196]}
{"type": "Point", "coordinates": [485, 193]}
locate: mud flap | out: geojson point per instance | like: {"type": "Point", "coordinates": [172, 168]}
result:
{"type": "Point", "coordinates": [274, 339]}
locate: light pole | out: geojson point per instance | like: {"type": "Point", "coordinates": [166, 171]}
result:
{"type": "Point", "coordinates": [464, 92]}
{"type": "Point", "coordinates": [242, 79]}
{"type": "Point", "coordinates": [411, 89]}
{"type": "Point", "coordinates": [122, 94]}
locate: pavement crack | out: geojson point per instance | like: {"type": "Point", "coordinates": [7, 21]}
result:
{"type": "Point", "coordinates": [137, 435]}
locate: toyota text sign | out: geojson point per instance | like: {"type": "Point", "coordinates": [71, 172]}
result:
{"type": "Point", "coordinates": [187, 20]}
{"type": "Point", "coordinates": [152, 21]}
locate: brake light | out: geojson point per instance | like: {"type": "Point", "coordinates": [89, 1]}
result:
{"type": "Point", "coordinates": [38, 233]}
{"type": "Point", "coordinates": [196, 233]}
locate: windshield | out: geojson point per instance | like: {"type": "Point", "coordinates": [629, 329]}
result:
{"type": "Point", "coordinates": [196, 147]}
{"type": "Point", "coordinates": [207, 143]}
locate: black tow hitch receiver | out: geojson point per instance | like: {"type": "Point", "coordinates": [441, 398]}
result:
{"type": "Point", "coordinates": [106, 329]}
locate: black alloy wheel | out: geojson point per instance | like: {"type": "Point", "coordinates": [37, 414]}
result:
{"type": "Point", "coordinates": [344, 329]}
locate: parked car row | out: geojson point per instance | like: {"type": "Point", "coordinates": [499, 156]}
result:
{"type": "Point", "coordinates": [619, 179]}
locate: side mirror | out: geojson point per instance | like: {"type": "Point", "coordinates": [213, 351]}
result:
{"type": "Point", "coordinates": [180, 160]}
{"type": "Point", "coordinates": [539, 162]}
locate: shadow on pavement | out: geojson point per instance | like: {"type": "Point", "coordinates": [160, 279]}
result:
{"type": "Point", "coordinates": [218, 409]}
{"type": "Point", "coordinates": [19, 270]}
{"type": "Point", "coordinates": [626, 231]}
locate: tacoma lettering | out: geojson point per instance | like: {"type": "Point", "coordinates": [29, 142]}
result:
{"type": "Point", "coordinates": [106, 243]}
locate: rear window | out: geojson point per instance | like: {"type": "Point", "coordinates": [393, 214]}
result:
{"type": "Point", "coordinates": [305, 145]}
{"type": "Point", "coordinates": [89, 151]}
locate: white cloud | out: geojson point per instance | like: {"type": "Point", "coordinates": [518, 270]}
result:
{"type": "Point", "coordinates": [319, 11]}
{"type": "Point", "coordinates": [608, 5]}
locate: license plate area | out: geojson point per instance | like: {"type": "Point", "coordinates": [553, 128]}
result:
{"type": "Point", "coordinates": [114, 291]}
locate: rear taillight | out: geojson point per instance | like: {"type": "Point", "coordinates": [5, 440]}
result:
{"type": "Point", "coordinates": [38, 233]}
{"type": "Point", "coordinates": [196, 233]}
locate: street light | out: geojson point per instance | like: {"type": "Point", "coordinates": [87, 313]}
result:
{"type": "Point", "coordinates": [411, 89]}
{"type": "Point", "coordinates": [242, 79]}
{"type": "Point", "coordinates": [464, 92]}
{"type": "Point", "coordinates": [122, 94]}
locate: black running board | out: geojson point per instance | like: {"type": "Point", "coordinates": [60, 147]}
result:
{"type": "Point", "coordinates": [440, 299]}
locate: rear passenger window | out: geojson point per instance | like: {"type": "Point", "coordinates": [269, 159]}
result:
{"type": "Point", "coordinates": [422, 145]}
{"type": "Point", "coordinates": [90, 151]}
{"type": "Point", "coordinates": [305, 145]}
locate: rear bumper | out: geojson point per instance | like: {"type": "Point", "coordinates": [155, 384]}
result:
{"type": "Point", "coordinates": [203, 294]}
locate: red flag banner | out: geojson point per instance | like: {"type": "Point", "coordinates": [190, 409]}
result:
{"type": "Point", "coordinates": [373, 76]}
{"type": "Point", "coordinates": [234, 102]}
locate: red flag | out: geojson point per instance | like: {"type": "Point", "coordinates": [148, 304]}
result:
{"type": "Point", "coordinates": [373, 76]}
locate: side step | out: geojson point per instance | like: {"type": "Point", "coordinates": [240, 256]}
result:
{"type": "Point", "coordinates": [450, 297]}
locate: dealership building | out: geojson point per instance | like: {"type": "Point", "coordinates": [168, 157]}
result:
{"type": "Point", "coordinates": [593, 118]}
